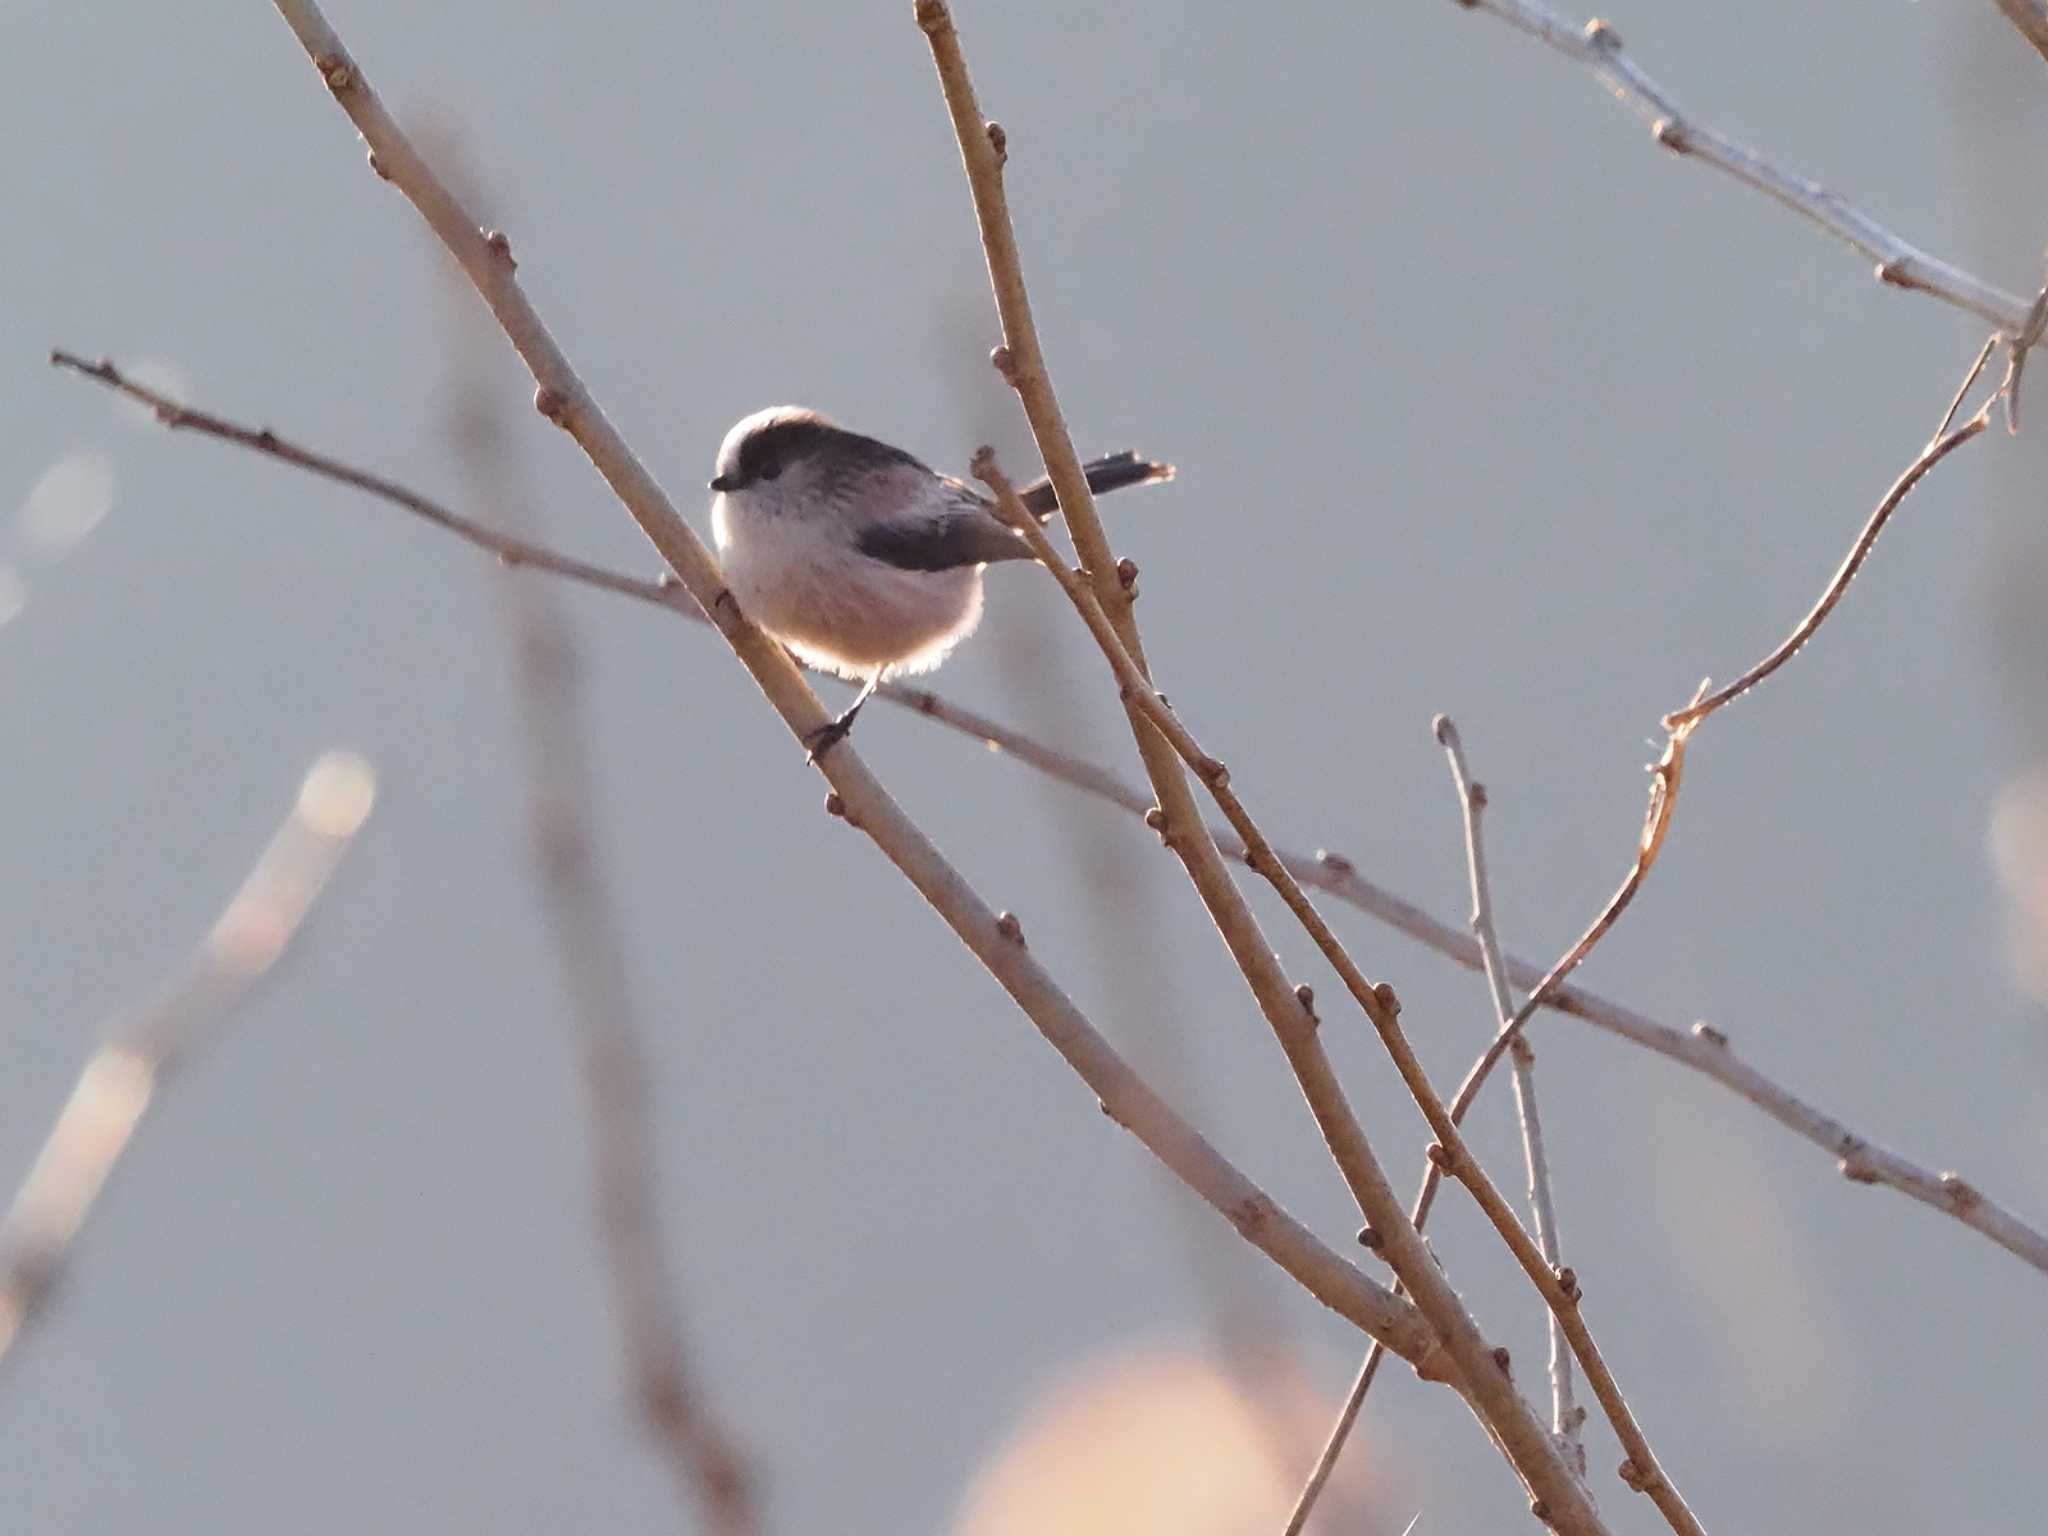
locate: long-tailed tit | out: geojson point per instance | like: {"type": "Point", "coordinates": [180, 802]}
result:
{"type": "Point", "coordinates": [855, 555]}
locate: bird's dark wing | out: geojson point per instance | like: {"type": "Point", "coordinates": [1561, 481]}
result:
{"type": "Point", "coordinates": [967, 536]}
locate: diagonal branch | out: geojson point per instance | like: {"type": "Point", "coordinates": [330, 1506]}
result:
{"type": "Point", "coordinates": [1598, 46]}
{"type": "Point", "coordinates": [1110, 586]}
{"type": "Point", "coordinates": [146, 1046]}
{"type": "Point", "coordinates": [1702, 1048]}
{"type": "Point", "coordinates": [179, 416]}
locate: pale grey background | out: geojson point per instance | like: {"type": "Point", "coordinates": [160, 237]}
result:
{"type": "Point", "coordinates": [1481, 403]}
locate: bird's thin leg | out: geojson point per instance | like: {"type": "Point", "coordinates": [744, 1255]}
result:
{"type": "Point", "coordinates": [832, 732]}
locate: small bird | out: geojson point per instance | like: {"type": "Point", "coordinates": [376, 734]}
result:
{"type": "Point", "coordinates": [852, 553]}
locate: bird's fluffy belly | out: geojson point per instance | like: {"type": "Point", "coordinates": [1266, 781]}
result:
{"type": "Point", "coordinates": [856, 616]}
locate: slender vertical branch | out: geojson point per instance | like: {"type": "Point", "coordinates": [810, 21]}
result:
{"type": "Point", "coordinates": [1566, 1416]}
{"type": "Point", "coordinates": [1557, 1494]}
{"type": "Point", "coordinates": [983, 147]}
{"type": "Point", "coordinates": [145, 1046]}
{"type": "Point", "coordinates": [1109, 587]}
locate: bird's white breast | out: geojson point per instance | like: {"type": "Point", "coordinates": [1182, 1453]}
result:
{"type": "Point", "coordinates": [799, 576]}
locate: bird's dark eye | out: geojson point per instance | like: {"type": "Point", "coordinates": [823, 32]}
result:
{"type": "Point", "coordinates": [766, 467]}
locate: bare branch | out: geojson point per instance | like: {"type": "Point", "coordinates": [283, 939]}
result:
{"type": "Point", "coordinates": [1664, 793]}
{"type": "Point", "coordinates": [1666, 776]}
{"type": "Point", "coordinates": [1103, 596]}
{"type": "Point", "coordinates": [706, 1463]}
{"type": "Point", "coordinates": [1598, 46]}
{"type": "Point", "coordinates": [2015, 365]}
{"type": "Point", "coordinates": [145, 1046]}
{"type": "Point", "coordinates": [1566, 1416]}
{"type": "Point", "coordinates": [179, 416]}
{"type": "Point", "coordinates": [1509, 1418]}
{"type": "Point", "coordinates": [857, 796]}
{"type": "Point", "coordinates": [1557, 1287]}
{"type": "Point", "coordinates": [1681, 723]}
{"type": "Point", "coordinates": [1560, 1291]}
{"type": "Point", "coordinates": [1702, 1048]}
{"type": "Point", "coordinates": [1542, 1469]}
{"type": "Point", "coordinates": [1945, 442]}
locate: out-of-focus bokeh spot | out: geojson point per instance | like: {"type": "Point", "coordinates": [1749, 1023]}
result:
{"type": "Point", "coordinates": [333, 803]}
{"type": "Point", "coordinates": [68, 501]}
{"type": "Point", "coordinates": [336, 798]}
{"type": "Point", "coordinates": [1159, 1441]}
{"type": "Point", "coordinates": [2019, 853]}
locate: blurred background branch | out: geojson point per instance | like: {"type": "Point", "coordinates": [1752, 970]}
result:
{"type": "Point", "coordinates": [666, 1386]}
{"type": "Point", "coordinates": [146, 1045]}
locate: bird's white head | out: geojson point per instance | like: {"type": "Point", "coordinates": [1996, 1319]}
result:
{"type": "Point", "coordinates": [767, 456]}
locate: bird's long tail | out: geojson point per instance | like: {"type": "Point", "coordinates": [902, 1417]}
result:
{"type": "Point", "coordinates": [1111, 473]}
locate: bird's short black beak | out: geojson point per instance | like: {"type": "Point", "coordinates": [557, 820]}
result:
{"type": "Point", "coordinates": [722, 483]}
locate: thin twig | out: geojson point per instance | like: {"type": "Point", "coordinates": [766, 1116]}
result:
{"type": "Point", "coordinates": [1545, 989]}
{"type": "Point", "coordinates": [1703, 1049]}
{"type": "Point", "coordinates": [1598, 46]}
{"type": "Point", "coordinates": [1669, 772]}
{"type": "Point", "coordinates": [1378, 1002]}
{"type": "Point", "coordinates": [179, 416]}
{"type": "Point", "coordinates": [705, 1462]}
{"type": "Point", "coordinates": [1566, 1417]}
{"type": "Point", "coordinates": [2015, 364]}
{"type": "Point", "coordinates": [857, 795]}
{"type": "Point", "coordinates": [1104, 590]}
{"type": "Point", "coordinates": [1507, 1415]}
{"type": "Point", "coordinates": [1641, 1471]}
{"type": "Point", "coordinates": [1333, 1444]}
{"type": "Point", "coordinates": [2012, 376]}
{"type": "Point", "coordinates": [1664, 792]}
{"type": "Point", "coordinates": [1943, 445]}
{"type": "Point", "coordinates": [1560, 1289]}
{"type": "Point", "coordinates": [145, 1046]}
{"type": "Point", "coordinates": [1680, 724]}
